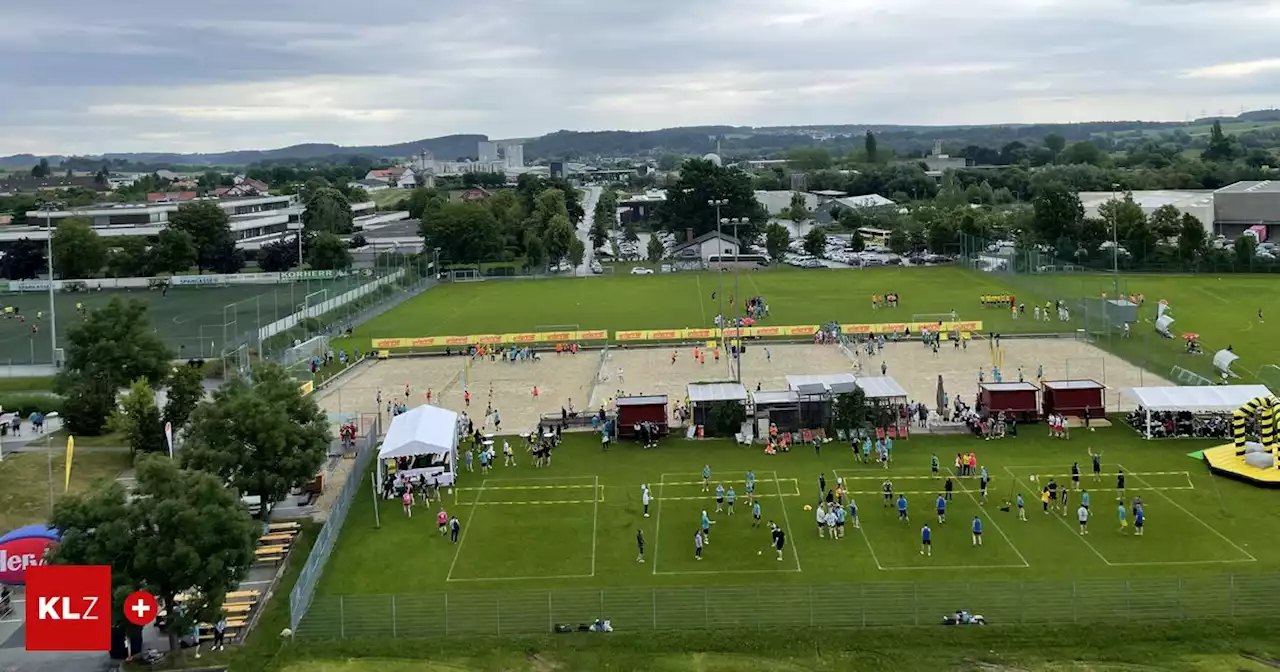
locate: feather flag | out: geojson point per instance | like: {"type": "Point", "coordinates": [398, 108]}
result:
{"type": "Point", "coordinates": [168, 435]}
{"type": "Point", "coordinates": [71, 450]}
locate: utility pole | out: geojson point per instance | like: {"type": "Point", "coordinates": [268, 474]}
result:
{"type": "Point", "coordinates": [48, 208]}
{"type": "Point", "coordinates": [735, 221]}
{"type": "Point", "coordinates": [718, 202]}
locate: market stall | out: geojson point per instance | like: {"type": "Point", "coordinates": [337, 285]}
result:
{"type": "Point", "coordinates": [704, 397]}
{"type": "Point", "coordinates": [1073, 397]}
{"type": "Point", "coordinates": [638, 411]}
{"type": "Point", "coordinates": [421, 442]}
{"type": "Point", "coordinates": [1016, 399]}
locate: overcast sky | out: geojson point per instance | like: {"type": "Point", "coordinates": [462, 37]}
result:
{"type": "Point", "coordinates": [152, 75]}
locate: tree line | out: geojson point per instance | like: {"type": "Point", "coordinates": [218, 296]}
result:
{"type": "Point", "coordinates": [198, 236]}
{"type": "Point", "coordinates": [183, 529]}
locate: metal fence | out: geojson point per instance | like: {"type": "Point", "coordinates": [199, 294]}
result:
{"type": "Point", "coordinates": [301, 595]}
{"type": "Point", "coordinates": [768, 606]}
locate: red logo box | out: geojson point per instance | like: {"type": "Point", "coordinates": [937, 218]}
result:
{"type": "Point", "coordinates": [68, 608]}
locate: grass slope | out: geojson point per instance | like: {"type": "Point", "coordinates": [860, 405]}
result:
{"type": "Point", "coordinates": [25, 481]}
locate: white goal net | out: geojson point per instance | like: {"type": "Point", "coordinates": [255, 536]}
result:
{"type": "Point", "coordinates": [300, 354]}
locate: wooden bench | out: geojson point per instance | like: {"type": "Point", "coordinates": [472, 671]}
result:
{"type": "Point", "coordinates": [274, 538]}
{"type": "Point", "coordinates": [233, 624]}
{"type": "Point", "coordinates": [271, 550]}
{"type": "Point", "coordinates": [244, 596]}
{"type": "Point", "coordinates": [237, 608]}
{"type": "Point", "coordinates": [283, 527]}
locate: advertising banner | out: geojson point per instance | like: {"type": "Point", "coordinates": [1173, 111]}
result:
{"type": "Point", "coordinates": [631, 335]}
{"type": "Point", "coordinates": [520, 339]}
{"type": "Point", "coordinates": [593, 335]}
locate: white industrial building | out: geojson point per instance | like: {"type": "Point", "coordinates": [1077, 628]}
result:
{"type": "Point", "coordinates": [1198, 204]}
{"type": "Point", "coordinates": [775, 202]}
{"type": "Point", "coordinates": [255, 221]}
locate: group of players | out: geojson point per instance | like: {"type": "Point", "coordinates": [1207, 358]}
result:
{"type": "Point", "coordinates": [833, 513]}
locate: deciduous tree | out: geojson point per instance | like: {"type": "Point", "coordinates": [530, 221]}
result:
{"type": "Point", "coordinates": [174, 252]}
{"type": "Point", "coordinates": [777, 240]}
{"type": "Point", "coordinates": [815, 242]}
{"type": "Point", "coordinates": [262, 437]}
{"type": "Point", "coordinates": [328, 252]}
{"type": "Point", "coordinates": [23, 259]}
{"type": "Point", "coordinates": [138, 420]}
{"type": "Point", "coordinates": [78, 250]}
{"type": "Point", "coordinates": [327, 211]}
{"type": "Point", "coordinates": [180, 533]}
{"type": "Point", "coordinates": [210, 229]}
{"type": "Point", "coordinates": [654, 249]}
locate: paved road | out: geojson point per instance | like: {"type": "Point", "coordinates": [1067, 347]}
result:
{"type": "Point", "coordinates": [590, 196]}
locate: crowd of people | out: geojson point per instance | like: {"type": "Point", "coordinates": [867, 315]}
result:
{"type": "Point", "coordinates": [1181, 424]}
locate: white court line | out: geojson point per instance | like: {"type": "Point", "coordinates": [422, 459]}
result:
{"type": "Point", "coordinates": [1211, 294]}
{"type": "Point", "coordinates": [786, 517]}
{"type": "Point", "coordinates": [784, 570]}
{"type": "Point", "coordinates": [702, 309]}
{"type": "Point", "coordinates": [1061, 519]}
{"type": "Point", "coordinates": [461, 540]}
{"type": "Point", "coordinates": [657, 521]}
{"type": "Point", "coordinates": [930, 568]}
{"type": "Point", "coordinates": [865, 538]}
{"type": "Point", "coordinates": [538, 478]}
{"type": "Point", "coordinates": [994, 524]}
{"type": "Point", "coordinates": [595, 524]}
{"type": "Point", "coordinates": [1196, 518]}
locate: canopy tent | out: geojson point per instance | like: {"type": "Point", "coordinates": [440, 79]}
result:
{"type": "Point", "coordinates": [1222, 361]}
{"type": "Point", "coordinates": [1202, 399]}
{"type": "Point", "coordinates": [425, 430]}
{"type": "Point", "coordinates": [882, 387]}
{"type": "Point", "coordinates": [816, 384]}
{"type": "Point", "coordinates": [705, 393]}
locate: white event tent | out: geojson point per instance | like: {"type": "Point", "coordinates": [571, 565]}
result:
{"type": "Point", "coordinates": [1197, 399]}
{"type": "Point", "coordinates": [425, 430]}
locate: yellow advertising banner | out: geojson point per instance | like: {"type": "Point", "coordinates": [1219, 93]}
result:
{"type": "Point", "coordinates": [666, 334]}
{"type": "Point", "coordinates": [486, 339]}
{"type": "Point", "coordinates": [520, 339]}
{"type": "Point", "coordinates": [700, 334]}
{"type": "Point", "coordinates": [556, 336]}
{"type": "Point", "coordinates": [594, 335]}
{"type": "Point", "coordinates": [915, 327]}
{"type": "Point", "coordinates": [306, 388]}
{"type": "Point", "coordinates": [633, 335]}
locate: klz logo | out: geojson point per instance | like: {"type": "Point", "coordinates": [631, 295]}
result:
{"type": "Point", "coordinates": [68, 608]}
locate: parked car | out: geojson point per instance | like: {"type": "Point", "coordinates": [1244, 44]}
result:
{"type": "Point", "coordinates": [641, 270]}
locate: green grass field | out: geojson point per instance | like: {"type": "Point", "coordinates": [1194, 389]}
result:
{"type": "Point", "coordinates": [1223, 310]}
{"type": "Point", "coordinates": [572, 527]}
{"type": "Point", "coordinates": [194, 321]}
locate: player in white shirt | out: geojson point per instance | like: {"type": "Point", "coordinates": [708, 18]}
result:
{"type": "Point", "coordinates": [644, 498]}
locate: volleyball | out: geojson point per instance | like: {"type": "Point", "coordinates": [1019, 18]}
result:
{"type": "Point", "coordinates": [808, 508]}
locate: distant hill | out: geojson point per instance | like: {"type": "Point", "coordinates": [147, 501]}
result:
{"type": "Point", "coordinates": [734, 141]}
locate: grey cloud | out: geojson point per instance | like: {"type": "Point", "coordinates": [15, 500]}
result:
{"type": "Point", "coordinates": [152, 75]}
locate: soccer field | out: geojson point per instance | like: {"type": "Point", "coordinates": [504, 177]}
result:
{"type": "Point", "coordinates": [559, 542]}
{"type": "Point", "coordinates": [1223, 311]}
{"type": "Point", "coordinates": [194, 321]}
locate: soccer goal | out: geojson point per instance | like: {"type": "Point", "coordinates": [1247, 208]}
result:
{"type": "Point", "coordinates": [1188, 377]}
{"type": "Point", "coordinates": [237, 362]}
{"type": "Point", "coordinates": [300, 354]}
{"type": "Point", "coordinates": [464, 275]}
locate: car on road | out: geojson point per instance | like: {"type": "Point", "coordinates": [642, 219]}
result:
{"type": "Point", "coordinates": [641, 270]}
{"type": "Point", "coordinates": [596, 267]}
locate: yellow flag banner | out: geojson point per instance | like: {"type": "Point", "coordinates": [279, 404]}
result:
{"type": "Point", "coordinates": [71, 450]}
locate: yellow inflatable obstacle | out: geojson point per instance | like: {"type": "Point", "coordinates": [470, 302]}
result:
{"type": "Point", "coordinates": [1266, 407]}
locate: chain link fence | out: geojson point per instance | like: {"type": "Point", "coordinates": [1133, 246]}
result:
{"type": "Point", "coordinates": [770, 606]}
{"type": "Point", "coordinates": [301, 595]}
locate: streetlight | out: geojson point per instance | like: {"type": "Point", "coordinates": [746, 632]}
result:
{"type": "Point", "coordinates": [735, 221]}
{"type": "Point", "coordinates": [48, 208]}
{"type": "Point", "coordinates": [435, 264]}
{"type": "Point", "coordinates": [718, 202]}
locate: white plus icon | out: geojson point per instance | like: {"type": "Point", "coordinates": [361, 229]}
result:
{"type": "Point", "coordinates": [141, 608]}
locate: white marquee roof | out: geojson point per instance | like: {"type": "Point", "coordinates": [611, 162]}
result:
{"type": "Point", "coordinates": [709, 392]}
{"type": "Point", "coordinates": [1201, 399]}
{"type": "Point", "coordinates": [881, 387]}
{"type": "Point", "coordinates": [425, 430]}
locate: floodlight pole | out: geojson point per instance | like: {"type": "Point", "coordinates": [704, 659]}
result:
{"type": "Point", "coordinates": [735, 221]}
{"type": "Point", "coordinates": [717, 202]}
{"type": "Point", "coordinates": [53, 310]}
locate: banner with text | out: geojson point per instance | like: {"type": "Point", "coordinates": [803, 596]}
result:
{"type": "Point", "coordinates": [517, 339]}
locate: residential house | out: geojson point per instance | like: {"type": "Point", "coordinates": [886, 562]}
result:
{"type": "Point", "coordinates": [399, 177]}
{"type": "Point", "coordinates": [705, 246]}
{"type": "Point", "coordinates": [243, 189]}
{"type": "Point", "coordinates": [6, 220]}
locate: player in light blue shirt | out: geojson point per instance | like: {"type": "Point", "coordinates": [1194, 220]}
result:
{"type": "Point", "coordinates": [888, 451]}
{"type": "Point", "coordinates": [853, 514]}
{"type": "Point", "coordinates": [755, 513]}
{"type": "Point", "coordinates": [926, 541]}
{"type": "Point", "coordinates": [706, 477]}
{"type": "Point", "coordinates": [730, 496]}
{"type": "Point", "coordinates": [866, 449]}
{"type": "Point", "coordinates": [1084, 498]}
{"type": "Point", "coordinates": [902, 509]}
{"type": "Point", "coordinates": [719, 497]}
{"type": "Point", "coordinates": [977, 531]}
{"type": "Point", "coordinates": [706, 526]}
{"type": "Point", "coordinates": [751, 485]}
{"type": "Point", "coordinates": [942, 509]}
{"type": "Point", "coordinates": [1022, 510]}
